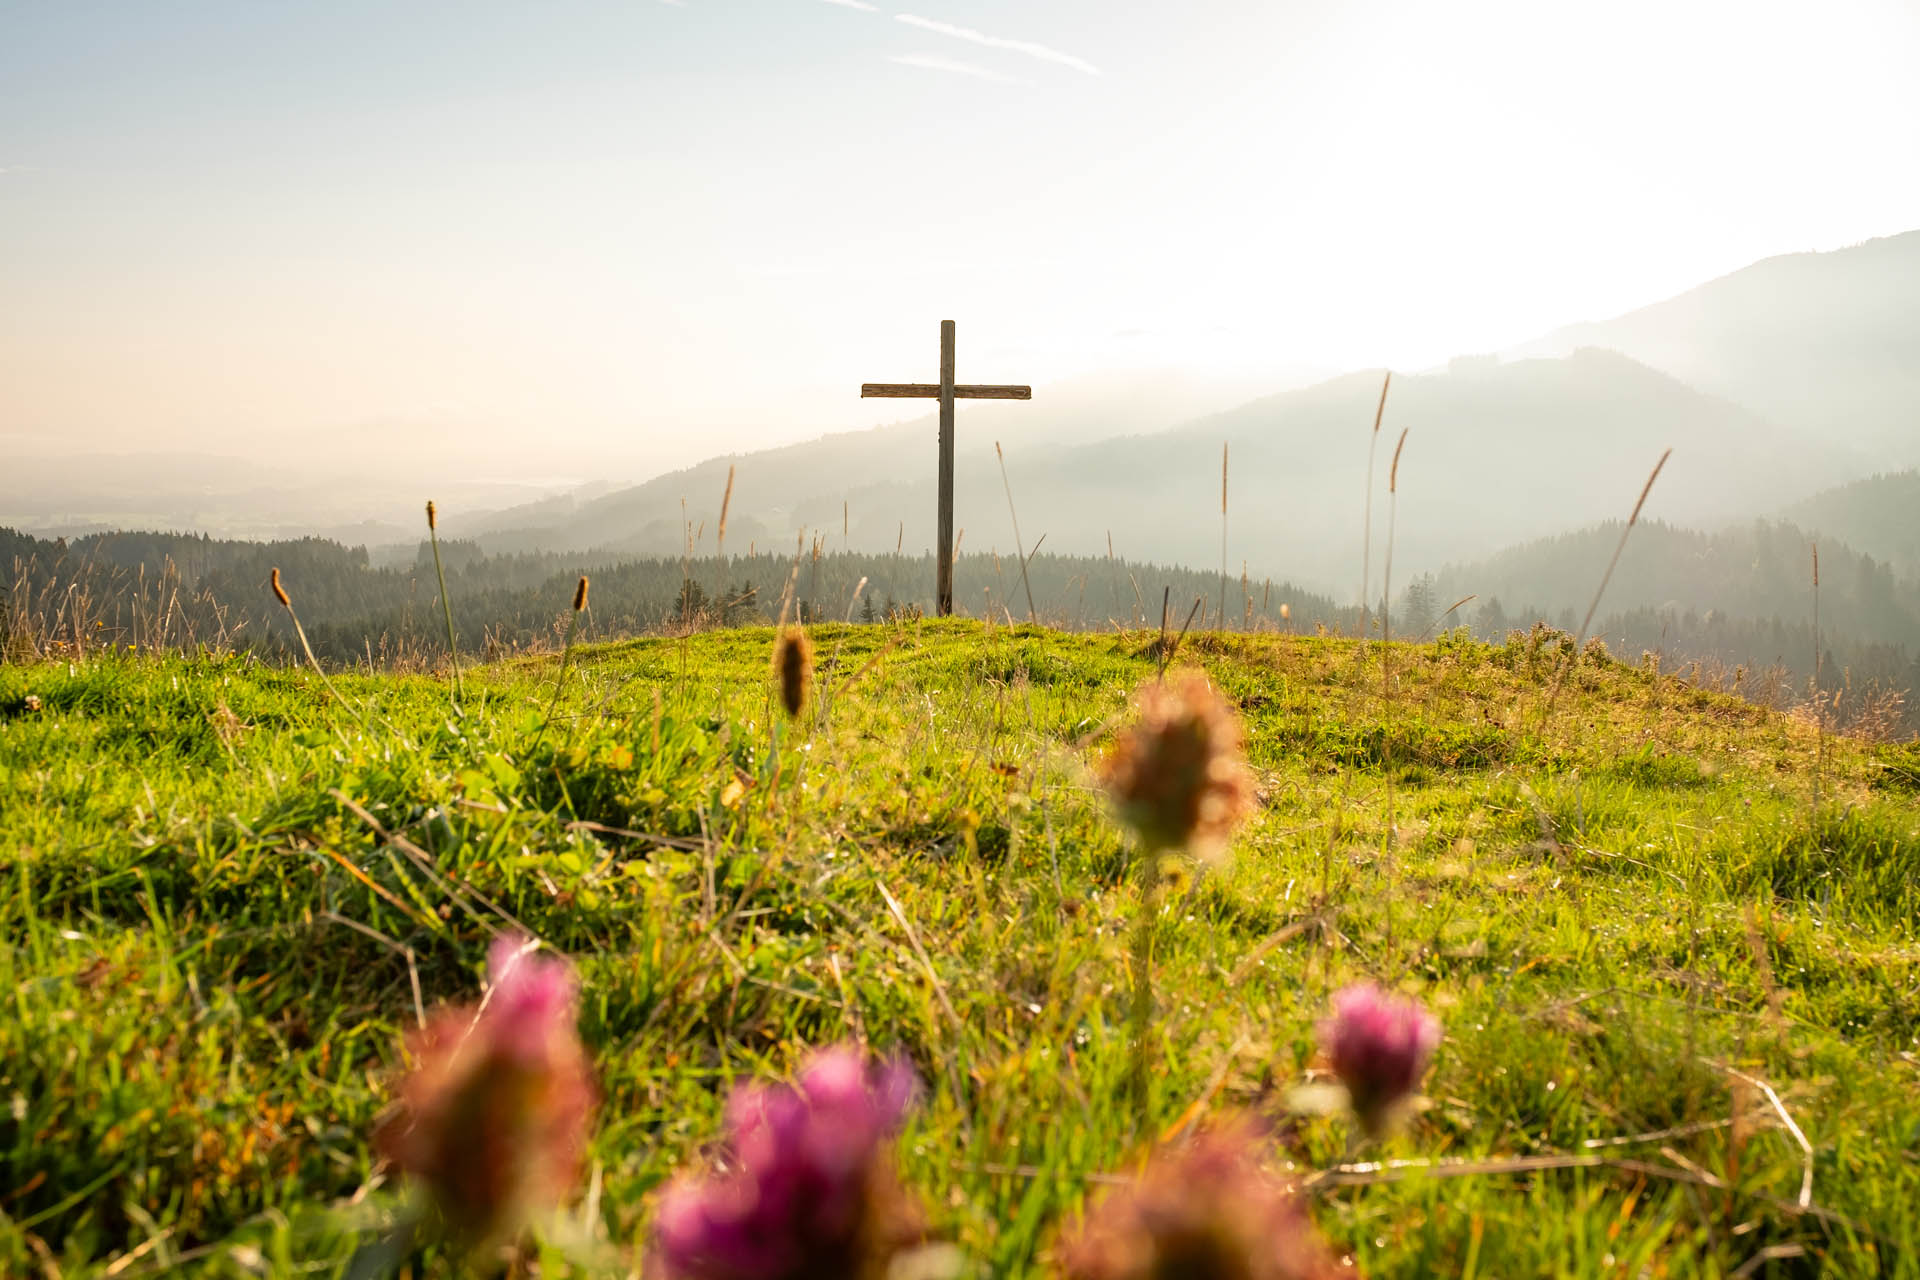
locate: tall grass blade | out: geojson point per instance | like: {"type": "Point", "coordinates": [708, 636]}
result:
{"type": "Point", "coordinates": [1593, 606]}
{"type": "Point", "coordinates": [1032, 616]}
{"type": "Point", "coordinates": [1366, 532]}
{"type": "Point", "coordinates": [1221, 621]}
{"type": "Point", "coordinates": [446, 608]}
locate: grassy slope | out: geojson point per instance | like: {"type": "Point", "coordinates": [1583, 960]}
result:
{"type": "Point", "coordinates": [202, 1024]}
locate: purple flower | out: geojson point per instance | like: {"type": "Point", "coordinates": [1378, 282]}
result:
{"type": "Point", "coordinates": [495, 1114]}
{"type": "Point", "coordinates": [1207, 1210]}
{"type": "Point", "coordinates": [807, 1191]}
{"type": "Point", "coordinates": [1378, 1045]}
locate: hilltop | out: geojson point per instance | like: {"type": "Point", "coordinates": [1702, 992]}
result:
{"type": "Point", "coordinates": [1624, 904]}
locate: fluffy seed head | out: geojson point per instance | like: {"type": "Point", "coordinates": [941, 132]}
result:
{"type": "Point", "coordinates": [1379, 1045]}
{"type": "Point", "coordinates": [494, 1117]}
{"type": "Point", "coordinates": [279, 592]}
{"type": "Point", "coordinates": [1207, 1210]}
{"type": "Point", "coordinates": [1177, 776]}
{"type": "Point", "coordinates": [793, 664]}
{"type": "Point", "coordinates": [808, 1191]}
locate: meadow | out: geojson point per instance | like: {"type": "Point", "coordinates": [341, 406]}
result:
{"type": "Point", "coordinates": [1670, 937]}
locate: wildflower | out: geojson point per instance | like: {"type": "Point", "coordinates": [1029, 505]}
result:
{"type": "Point", "coordinates": [1378, 1045]}
{"type": "Point", "coordinates": [494, 1117]}
{"type": "Point", "coordinates": [1177, 777]}
{"type": "Point", "coordinates": [793, 664]}
{"type": "Point", "coordinates": [33, 702]}
{"type": "Point", "coordinates": [808, 1191]}
{"type": "Point", "coordinates": [1205, 1211]}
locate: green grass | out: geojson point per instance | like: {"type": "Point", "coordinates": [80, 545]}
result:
{"type": "Point", "coordinates": [210, 957]}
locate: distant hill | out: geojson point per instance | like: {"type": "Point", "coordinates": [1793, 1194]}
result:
{"type": "Point", "coordinates": [1496, 454]}
{"type": "Point", "coordinates": [1879, 515]}
{"type": "Point", "coordinates": [1827, 344]}
{"type": "Point", "coordinates": [1761, 569]}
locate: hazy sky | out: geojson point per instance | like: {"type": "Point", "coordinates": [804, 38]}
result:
{"type": "Point", "coordinates": [568, 238]}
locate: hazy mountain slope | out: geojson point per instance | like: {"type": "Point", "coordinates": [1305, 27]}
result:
{"type": "Point", "coordinates": [1880, 515]}
{"type": "Point", "coordinates": [1494, 456]}
{"type": "Point", "coordinates": [777, 491]}
{"type": "Point", "coordinates": [1824, 343]}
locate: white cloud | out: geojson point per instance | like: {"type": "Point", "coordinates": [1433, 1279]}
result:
{"type": "Point", "coordinates": [861, 5]}
{"type": "Point", "coordinates": [934, 62]}
{"type": "Point", "coordinates": [1032, 50]}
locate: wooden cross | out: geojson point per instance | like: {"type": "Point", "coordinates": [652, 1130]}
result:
{"type": "Point", "coordinates": [946, 392]}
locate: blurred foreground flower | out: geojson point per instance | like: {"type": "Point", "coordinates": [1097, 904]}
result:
{"type": "Point", "coordinates": [494, 1116]}
{"type": "Point", "coordinates": [808, 1189]}
{"type": "Point", "coordinates": [1177, 776]}
{"type": "Point", "coordinates": [1178, 779]}
{"type": "Point", "coordinates": [1206, 1210]}
{"type": "Point", "coordinates": [1379, 1046]}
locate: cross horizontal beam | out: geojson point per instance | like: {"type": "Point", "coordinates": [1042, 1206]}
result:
{"type": "Point", "coordinates": [931, 391]}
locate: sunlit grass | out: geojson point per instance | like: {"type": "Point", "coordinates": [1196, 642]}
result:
{"type": "Point", "coordinates": [211, 955]}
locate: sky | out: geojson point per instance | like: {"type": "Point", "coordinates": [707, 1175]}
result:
{"type": "Point", "coordinates": [585, 240]}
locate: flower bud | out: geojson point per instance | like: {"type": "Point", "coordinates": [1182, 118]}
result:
{"type": "Point", "coordinates": [494, 1117]}
{"type": "Point", "coordinates": [809, 1190]}
{"type": "Point", "coordinates": [1177, 776]}
{"type": "Point", "coordinates": [1379, 1046]}
{"type": "Point", "coordinates": [1207, 1210]}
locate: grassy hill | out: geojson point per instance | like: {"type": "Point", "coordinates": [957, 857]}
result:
{"type": "Point", "coordinates": [222, 889]}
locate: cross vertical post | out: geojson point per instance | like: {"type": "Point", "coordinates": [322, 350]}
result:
{"type": "Point", "coordinates": [946, 392]}
{"type": "Point", "coordinates": [943, 575]}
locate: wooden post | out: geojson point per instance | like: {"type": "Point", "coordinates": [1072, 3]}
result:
{"type": "Point", "coordinates": [946, 392]}
{"type": "Point", "coordinates": [943, 584]}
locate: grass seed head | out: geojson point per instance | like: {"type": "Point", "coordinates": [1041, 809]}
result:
{"type": "Point", "coordinates": [495, 1116]}
{"type": "Point", "coordinates": [580, 594]}
{"type": "Point", "coordinates": [793, 664]}
{"type": "Point", "coordinates": [433, 519]}
{"type": "Point", "coordinates": [280, 592]}
{"type": "Point", "coordinates": [1207, 1210]}
{"type": "Point", "coordinates": [1177, 777]}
